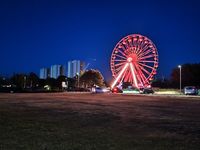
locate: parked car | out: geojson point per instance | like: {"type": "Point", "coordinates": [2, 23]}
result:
{"type": "Point", "coordinates": [100, 90]}
{"type": "Point", "coordinates": [116, 90]}
{"type": "Point", "coordinates": [146, 91]}
{"type": "Point", "coordinates": [190, 90]}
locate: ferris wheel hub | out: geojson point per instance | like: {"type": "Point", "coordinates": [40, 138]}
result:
{"type": "Point", "coordinates": [129, 59]}
{"type": "Point", "coordinates": [132, 58]}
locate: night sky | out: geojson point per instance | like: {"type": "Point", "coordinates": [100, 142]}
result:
{"type": "Point", "coordinates": [35, 34]}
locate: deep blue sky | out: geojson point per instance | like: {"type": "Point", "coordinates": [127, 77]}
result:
{"type": "Point", "coordinates": [35, 34]}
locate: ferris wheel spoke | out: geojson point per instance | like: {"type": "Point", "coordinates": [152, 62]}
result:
{"type": "Point", "coordinates": [143, 42]}
{"type": "Point", "coordinates": [122, 78]}
{"type": "Point", "coordinates": [148, 61]}
{"type": "Point", "coordinates": [120, 60]}
{"type": "Point", "coordinates": [119, 75]}
{"type": "Point", "coordinates": [149, 56]}
{"type": "Point", "coordinates": [145, 53]}
{"type": "Point", "coordinates": [125, 44]}
{"type": "Point", "coordinates": [120, 56]}
{"type": "Point", "coordinates": [130, 42]}
{"type": "Point", "coordinates": [118, 71]}
{"type": "Point", "coordinates": [137, 50]}
{"type": "Point", "coordinates": [122, 47]}
{"type": "Point", "coordinates": [147, 72]}
{"type": "Point", "coordinates": [141, 79]}
{"type": "Point", "coordinates": [119, 64]}
{"type": "Point", "coordinates": [143, 76]}
{"type": "Point", "coordinates": [126, 79]}
{"type": "Point", "coordinates": [146, 66]}
{"type": "Point", "coordinates": [145, 47]}
{"type": "Point", "coordinates": [122, 53]}
{"type": "Point", "coordinates": [129, 77]}
{"type": "Point", "coordinates": [138, 75]}
{"type": "Point", "coordinates": [119, 68]}
{"type": "Point", "coordinates": [139, 70]}
{"type": "Point", "coordinates": [144, 50]}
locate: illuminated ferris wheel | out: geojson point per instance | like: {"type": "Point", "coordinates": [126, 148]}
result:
{"type": "Point", "coordinates": [134, 60]}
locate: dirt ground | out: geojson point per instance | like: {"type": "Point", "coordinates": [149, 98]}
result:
{"type": "Point", "coordinates": [87, 121]}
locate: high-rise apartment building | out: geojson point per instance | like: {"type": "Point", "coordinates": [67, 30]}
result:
{"type": "Point", "coordinates": [57, 70]}
{"type": "Point", "coordinates": [44, 73]}
{"type": "Point", "coordinates": [74, 68]}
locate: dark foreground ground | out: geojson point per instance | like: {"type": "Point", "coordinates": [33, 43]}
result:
{"type": "Point", "coordinates": [61, 121]}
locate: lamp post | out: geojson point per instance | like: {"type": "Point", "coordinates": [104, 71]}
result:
{"type": "Point", "coordinates": [179, 66]}
{"type": "Point", "coordinates": [24, 82]}
{"type": "Point", "coordinates": [78, 78]}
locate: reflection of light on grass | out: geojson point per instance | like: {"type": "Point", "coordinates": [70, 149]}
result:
{"type": "Point", "coordinates": [167, 92]}
{"type": "Point", "coordinates": [130, 91]}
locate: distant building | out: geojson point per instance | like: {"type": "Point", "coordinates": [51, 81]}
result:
{"type": "Point", "coordinates": [57, 70]}
{"type": "Point", "coordinates": [74, 67]}
{"type": "Point", "coordinates": [44, 73]}
{"type": "Point", "coordinates": [63, 70]}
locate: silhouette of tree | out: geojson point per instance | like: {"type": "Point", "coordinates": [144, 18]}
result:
{"type": "Point", "coordinates": [162, 83]}
{"type": "Point", "coordinates": [91, 78]}
{"type": "Point", "coordinates": [32, 80]}
{"type": "Point", "coordinates": [19, 80]}
{"type": "Point", "coordinates": [52, 83]}
{"type": "Point", "coordinates": [190, 75]}
{"type": "Point", "coordinates": [71, 83]}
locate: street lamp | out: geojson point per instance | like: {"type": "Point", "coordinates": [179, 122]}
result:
{"type": "Point", "coordinates": [179, 66]}
{"type": "Point", "coordinates": [78, 78]}
{"type": "Point", "coordinates": [24, 82]}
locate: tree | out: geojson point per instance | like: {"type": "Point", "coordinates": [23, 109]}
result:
{"type": "Point", "coordinates": [91, 78]}
{"type": "Point", "coordinates": [161, 83]}
{"type": "Point", "coordinates": [190, 75]}
{"type": "Point", "coordinates": [52, 83]}
{"type": "Point", "coordinates": [19, 80]}
{"type": "Point", "coordinates": [42, 83]}
{"type": "Point", "coordinates": [33, 80]}
{"type": "Point", "coordinates": [71, 83]}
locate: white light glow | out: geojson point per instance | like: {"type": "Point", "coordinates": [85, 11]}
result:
{"type": "Point", "coordinates": [120, 74]}
{"type": "Point", "coordinates": [133, 74]}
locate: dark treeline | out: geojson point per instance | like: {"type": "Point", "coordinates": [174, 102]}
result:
{"type": "Point", "coordinates": [190, 76]}
{"type": "Point", "coordinates": [31, 82]}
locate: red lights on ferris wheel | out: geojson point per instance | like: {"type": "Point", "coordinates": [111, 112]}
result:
{"type": "Point", "coordinates": [134, 60]}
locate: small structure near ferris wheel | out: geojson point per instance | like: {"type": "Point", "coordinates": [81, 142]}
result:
{"type": "Point", "coordinates": [134, 60]}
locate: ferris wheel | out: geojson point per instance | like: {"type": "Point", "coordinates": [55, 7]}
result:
{"type": "Point", "coordinates": [135, 60]}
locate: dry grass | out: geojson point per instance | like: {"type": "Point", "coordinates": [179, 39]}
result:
{"type": "Point", "coordinates": [98, 122]}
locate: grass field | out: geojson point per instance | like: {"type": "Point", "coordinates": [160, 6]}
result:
{"type": "Point", "coordinates": [98, 122]}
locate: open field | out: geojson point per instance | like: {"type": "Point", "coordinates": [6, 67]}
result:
{"type": "Point", "coordinates": [69, 121]}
